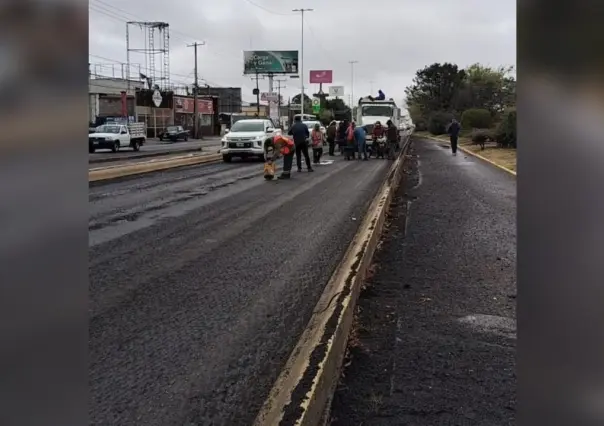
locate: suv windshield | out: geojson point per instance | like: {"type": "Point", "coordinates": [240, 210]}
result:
{"type": "Point", "coordinates": [108, 129]}
{"type": "Point", "coordinates": [377, 110]}
{"type": "Point", "coordinates": [172, 129]}
{"type": "Point", "coordinates": [311, 124]}
{"type": "Point", "coordinates": [248, 126]}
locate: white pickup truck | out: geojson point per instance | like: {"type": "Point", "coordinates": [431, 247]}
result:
{"type": "Point", "coordinates": [117, 136]}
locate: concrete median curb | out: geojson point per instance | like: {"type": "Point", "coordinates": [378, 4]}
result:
{"type": "Point", "coordinates": [122, 170]}
{"type": "Point", "coordinates": [473, 154]}
{"type": "Point", "coordinates": [109, 159]}
{"type": "Point", "coordinates": [303, 392]}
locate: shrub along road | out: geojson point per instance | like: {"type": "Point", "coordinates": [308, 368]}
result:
{"type": "Point", "coordinates": [434, 342]}
{"type": "Point", "coordinates": [201, 281]}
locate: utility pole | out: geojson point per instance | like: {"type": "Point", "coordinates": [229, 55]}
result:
{"type": "Point", "coordinates": [257, 77]}
{"type": "Point", "coordinates": [279, 87]}
{"type": "Point", "coordinates": [302, 60]}
{"type": "Point", "coordinates": [352, 88]}
{"type": "Point", "coordinates": [195, 94]}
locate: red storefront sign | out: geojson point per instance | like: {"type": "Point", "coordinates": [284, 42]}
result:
{"type": "Point", "coordinates": [184, 105]}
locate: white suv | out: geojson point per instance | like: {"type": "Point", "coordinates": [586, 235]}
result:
{"type": "Point", "coordinates": [246, 139]}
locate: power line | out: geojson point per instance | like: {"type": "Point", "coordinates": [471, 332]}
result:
{"type": "Point", "coordinates": [268, 10]}
{"type": "Point", "coordinates": [122, 15]}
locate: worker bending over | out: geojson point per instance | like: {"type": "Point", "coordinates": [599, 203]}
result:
{"type": "Point", "coordinates": [280, 145]}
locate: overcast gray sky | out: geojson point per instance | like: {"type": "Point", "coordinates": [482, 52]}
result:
{"type": "Point", "coordinates": [391, 39]}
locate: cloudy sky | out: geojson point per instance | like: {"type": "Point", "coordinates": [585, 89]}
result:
{"type": "Point", "coordinates": [390, 39]}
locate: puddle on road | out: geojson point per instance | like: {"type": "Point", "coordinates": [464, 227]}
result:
{"type": "Point", "coordinates": [503, 326]}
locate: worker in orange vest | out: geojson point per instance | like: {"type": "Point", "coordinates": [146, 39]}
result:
{"type": "Point", "coordinates": [280, 145]}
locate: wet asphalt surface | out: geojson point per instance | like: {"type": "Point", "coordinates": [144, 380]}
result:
{"type": "Point", "coordinates": [201, 281]}
{"type": "Point", "coordinates": [434, 339]}
{"type": "Point", "coordinates": [154, 148]}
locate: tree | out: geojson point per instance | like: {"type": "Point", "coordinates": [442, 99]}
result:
{"type": "Point", "coordinates": [339, 109]}
{"type": "Point", "coordinates": [488, 88]}
{"type": "Point", "coordinates": [307, 102]}
{"type": "Point", "coordinates": [436, 88]}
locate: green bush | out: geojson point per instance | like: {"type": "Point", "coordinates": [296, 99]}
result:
{"type": "Point", "coordinates": [438, 122]}
{"type": "Point", "coordinates": [420, 125]}
{"type": "Point", "coordinates": [505, 135]}
{"type": "Point", "coordinates": [476, 118]}
{"type": "Point", "coordinates": [481, 136]}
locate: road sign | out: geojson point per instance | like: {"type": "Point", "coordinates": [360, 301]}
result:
{"type": "Point", "coordinates": [269, 97]}
{"type": "Point", "coordinates": [157, 98]}
{"type": "Point", "coordinates": [316, 105]}
{"type": "Point", "coordinates": [336, 91]}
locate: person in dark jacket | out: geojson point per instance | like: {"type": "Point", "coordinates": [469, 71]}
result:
{"type": "Point", "coordinates": [332, 131]}
{"type": "Point", "coordinates": [300, 133]}
{"type": "Point", "coordinates": [392, 136]}
{"type": "Point", "coordinates": [341, 136]}
{"type": "Point", "coordinates": [453, 130]}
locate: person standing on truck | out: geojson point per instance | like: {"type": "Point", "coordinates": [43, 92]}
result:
{"type": "Point", "coordinates": [392, 136]}
{"type": "Point", "coordinates": [453, 130]}
{"type": "Point", "coordinates": [299, 131]}
{"type": "Point", "coordinates": [332, 131]}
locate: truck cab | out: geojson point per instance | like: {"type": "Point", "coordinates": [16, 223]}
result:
{"type": "Point", "coordinates": [370, 111]}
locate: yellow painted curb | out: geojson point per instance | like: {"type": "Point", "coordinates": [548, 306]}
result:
{"type": "Point", "coordinates": [113, 172]}
{"type": "Point", "coordinates": [467, 151]}
{"type": "Point", "coordinates": [302, 394]}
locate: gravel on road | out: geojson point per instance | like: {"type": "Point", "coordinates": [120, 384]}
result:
{"type": "Point", "coordinates": [203, 278]}
{"type": "Point", "coordinates": [434, 337]}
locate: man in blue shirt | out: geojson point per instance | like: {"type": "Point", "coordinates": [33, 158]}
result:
{"type": "Point", "coordinates": [360, 137]}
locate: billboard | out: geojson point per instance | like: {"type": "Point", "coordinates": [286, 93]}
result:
{"type": "Point", "coordinates": [183, 105]}
{"type": "Point", "coordinates": [336, 91]}
{"type": "Point", "coordinates": [321, 76]}
{"type": "Point", "coordinates": [270, 62]}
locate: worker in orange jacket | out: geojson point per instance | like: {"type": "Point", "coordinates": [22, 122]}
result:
{"type": "Point", "coordinates": [280, 145]}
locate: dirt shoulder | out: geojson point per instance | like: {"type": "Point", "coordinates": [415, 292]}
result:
{"type": "Point", "coordinates": [434, 335]}
{"type": "Point", "coordinates": [505, 157]}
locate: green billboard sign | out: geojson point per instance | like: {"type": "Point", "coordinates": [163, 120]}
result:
{"type": "Point", "coordinates": [270, 62]}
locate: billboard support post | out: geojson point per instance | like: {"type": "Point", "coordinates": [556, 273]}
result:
{"type": "Point", "coordinates": [302, 60]}
{"type": "Point", "coordinates": [257, 96]}
{"type": "Point", "coordinates": [270, 82]}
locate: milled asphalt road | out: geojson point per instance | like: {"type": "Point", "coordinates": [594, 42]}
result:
{"type": "Point", "coordinates": [434, 343]}
{"type": "Point", "coordinates": [201, 281]}
{"type": "Point", "coordinates": [155, 147]}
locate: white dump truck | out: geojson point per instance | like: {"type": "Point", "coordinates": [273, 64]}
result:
{"type": "Point", "coordinates": [115, 136]}
{"type": "Point", "coordinates": [370, 111]}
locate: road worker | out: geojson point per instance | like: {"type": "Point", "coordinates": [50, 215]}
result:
{"type": "Point", "coordinates": [280, 145]}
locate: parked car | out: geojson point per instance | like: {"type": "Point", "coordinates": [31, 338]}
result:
{"type": "Point", "coordinates": [117, 136]}
{"type": "Point", "coordinates": [174, 133]}
{"type": "Point", "coordinates": [246, 139]}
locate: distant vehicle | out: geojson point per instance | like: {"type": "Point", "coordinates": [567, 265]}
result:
{"type": "Point", "coordinates": [370, 111]}
{"type": "Point", "coordinates": [117, 136]}
{"type": "Point", "coordinates": [174, 133]}
{"type": "Point", "coordinates": [246, 139]}
{"type": "Point", "coordinates": [306, 117]}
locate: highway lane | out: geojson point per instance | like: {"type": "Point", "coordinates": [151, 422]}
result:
{"type": "Point", "coordinates": [201, 281]}
{"type": "Point", "coordinates": [155, 147]}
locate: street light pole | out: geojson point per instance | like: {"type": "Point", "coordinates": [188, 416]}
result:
{"type": "Point", "coordinates": [352, 88]}
{"type": "Point", "coordinates": [302, 60]}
